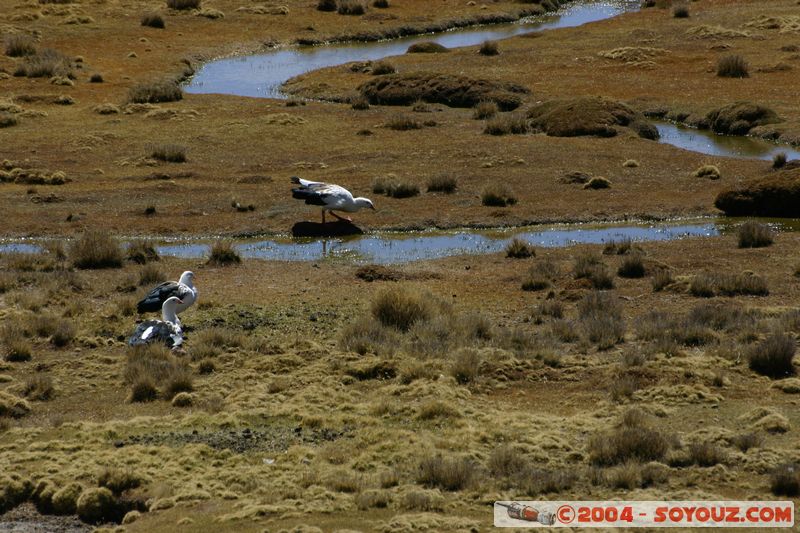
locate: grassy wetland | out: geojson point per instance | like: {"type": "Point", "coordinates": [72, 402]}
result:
{"type": "Point", "coordinates": [337, 395]}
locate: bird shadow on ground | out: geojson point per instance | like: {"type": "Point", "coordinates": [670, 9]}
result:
{"type": "Point", "coordinates": [329, 229]}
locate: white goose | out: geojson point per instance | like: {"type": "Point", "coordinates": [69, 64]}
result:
{"type": "Point", "coordinates": [167, 331]}
{"type": "Point", "coordinates": [184, 289]}
{"type": "Point", "coordinates": [330, 197]}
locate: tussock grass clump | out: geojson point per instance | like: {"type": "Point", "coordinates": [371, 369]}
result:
{"type": "Point", "coordinates": [706, 454]}
{"type": "Point", "coordinates": [618, 247]}
{"type": "Point", "coordinates": [445, 184]}
{"type": "Point", "coordinates": [754, 235]}
{"type": "Point", "coordinates": [601, 318]}
{"type": "Point", "coordinates": [498, 195]}
{"type": "Point", "coordinates": [152, 367]}
{"type": "Point", "coordinates": [46, 63]}
{"type": "Point", "coordinates": [785, 480]}
{"type": "Point", "coordinates": [484, 110]}
{"type": "Point", "coordinates": [634, 439]}
{"type": "Point", "coordinates": [155, 92]}
{"type": "Point", "coordinates": [183, 4]}
{"type": "Point", "coordinates": [773, 356]}
{"type": "Point", "coordinates": [7, 120]}
{"type": "Point", "coordinates": [169, 153]}
{"type": "Point", "coordinates": [680, 12]}
{"type": "Point", "coordinates": [39, 387]}
{"type": "Point", "coordinates": [519, 249]}
{"type": "Point", "coordinates": [118, 480]}
{"type": "Point", "coordinates": [591, 267]}
{"type": "Point", "coordinates": [489, 48]}
{"type": "Point", "coordinates": [366, 335]}
{"type": "Point", "coordinates": [17, 350]}
{"type": "Point", "coordinates": [392, 186]}
{"type": "Point", "coordinates": [451, 474]}
{"type": "Point", "coordinates": [95, 249]}
{"type": "Point", "coordinates": [224, 253]}
{"type": "Point", "coordinates": [151, 275]}
{"type": "Point", "coordinates": [401, 307]}
{"type": "Point", "coordinates": [326, 5]}
{"type": "Point", "coordinates": [20, 45]}
{"type": "Point", "coordinates": [706, 285]}
{"type": "Point", "coordinates": [732, 66]}
{"type": "Point", "coordinates": [96, 78]}
{"type": "Point", "coordinates": [12, 406]}
{"type": "Point", "coordinates": [359, 103]}
{"type": "Point", "coordinates": [779, 160]}
{"type": "Point", "coordinates": [351, 7]}
{"type": "Point", "coordinates": [381, 68]}
{"type": "Point", "coordinates": [466, 366]}
{"type": "Point", "coordinates": [597, 182]}
{"type": "Point", "coordinates": [540, 276]}
{"type": "Point", "coordinates": [153, 20]}
{"type": "Point", "coordinates": [63, 333]}
{"type": "Point", "coordinates": [506, 124]}
{"type": "Point", "coordinates": [427, 47]}
{"type": "Point", "coordinates": [594, 116]}
{"type": "Point", "coordinates": [373, 499]}
{"type": "Point", "coordinates": [745, 441]}
{"type": "Point", "coordinates": [142, 252]}
{"type": "Point", "coordinates": [662, 278]}
{"type": "Point", "coordinates": [403, 123]}
{"type": "Point", "coordinates": [632, 267]}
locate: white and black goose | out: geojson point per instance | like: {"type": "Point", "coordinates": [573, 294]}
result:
{"type": "Point", "coordinates": [183, 289]}
{"type": "Point", "coordinates": [330, 197]}
{"type": "Point", "coordinates": [167, 331]}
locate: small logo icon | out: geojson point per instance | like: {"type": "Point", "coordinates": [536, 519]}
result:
{"type": "Point", "coordinates": [565, 514]}
{"type": "Point", "coordinates": [528, 514]}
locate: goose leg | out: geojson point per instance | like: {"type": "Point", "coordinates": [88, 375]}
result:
{"type": "Point", "coordinates": [347, 219]}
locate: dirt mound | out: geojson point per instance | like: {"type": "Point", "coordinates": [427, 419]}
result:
{"type": "Point", "coordinates": [588, 116]}
{"type": "Point", "coordinates": [775, 195]}
{"type": "Point", "coordinates": [740, 117]}
{"type": "Point", "coordinates": [451, 90]}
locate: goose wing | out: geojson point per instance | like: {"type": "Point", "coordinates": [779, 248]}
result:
{"type": "Point", "coordinates": [157, 296]}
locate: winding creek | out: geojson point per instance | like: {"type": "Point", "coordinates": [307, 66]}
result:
{"type": "Point", "coordinates": [262, 75]}
{"type": "Point", "coordinates": [405, 247]}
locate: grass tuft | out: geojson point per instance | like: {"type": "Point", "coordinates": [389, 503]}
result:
{"type": "Point", "coordinates": [351, 7]}
{"type": "Point", "coordinates": [401, 307]}
{"type": "Point", "coordinates": [680, 12]}
{"type": "Point", "coordinates": [19, 46]}
{"type": "Point", "coordinates": [445, 184]}
{"type": "Point", "coordinates": [39, 387]}
{"type": "Point", "coordinates": [519, 249]}
{"type": "Point", "coordinates": [326, 5]}
{"type": "Point", "coordinates": [507, 123]}
{"type": "Point", "coordinates": [403, 123]}
{"type": "Point", "coordinates": [153, 20]}
{"type": "Point", "coordinates": [773, 356]}
{"type": "Point", "coordinates": [785, 480]}
{"type": "Point", "coordinates": [601, 318]}
{"type": "Point", "coordinates": [484, 110]}
{"type": "Point", "coordinates": [489, 48]}
{"type": "Point", "coordinates": [95, 249]}
{"type": "Point", "coordinates": [451, 474]}
{"type": "Point", "coordinates": [779, 160]}
{"type": "Point", "coordinates": [732, 66]}
{"type": "Point", "coordinates": [170, 153]}
{"type": "Point", "coordinates": [183, 4]}
{"type": "Point", "coordinates": [632, 266]}
{"type": "Point", "coordinates": [224, 253]}
{"type": "Point", "coordinates": [633, 440]}
{"type": "Point", "coordinates": [381, 68]}
{"type": "Point", "coordinates": [497, 195]}
{"type": "Point", "coordinates": [142, 252]}
{"type": "Point", "coordinates": [754, 235]}
{"type": "Point", "coordinates": [155, 92]}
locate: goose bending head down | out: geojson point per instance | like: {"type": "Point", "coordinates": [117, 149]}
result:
{"type": "Point", "coordinates": [330, 197]}
{"type": "Point", "coordinates": [183, 289]}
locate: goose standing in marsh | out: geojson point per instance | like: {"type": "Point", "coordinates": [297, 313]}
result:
{"type": "Point", "coordinates": [330, 197]}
